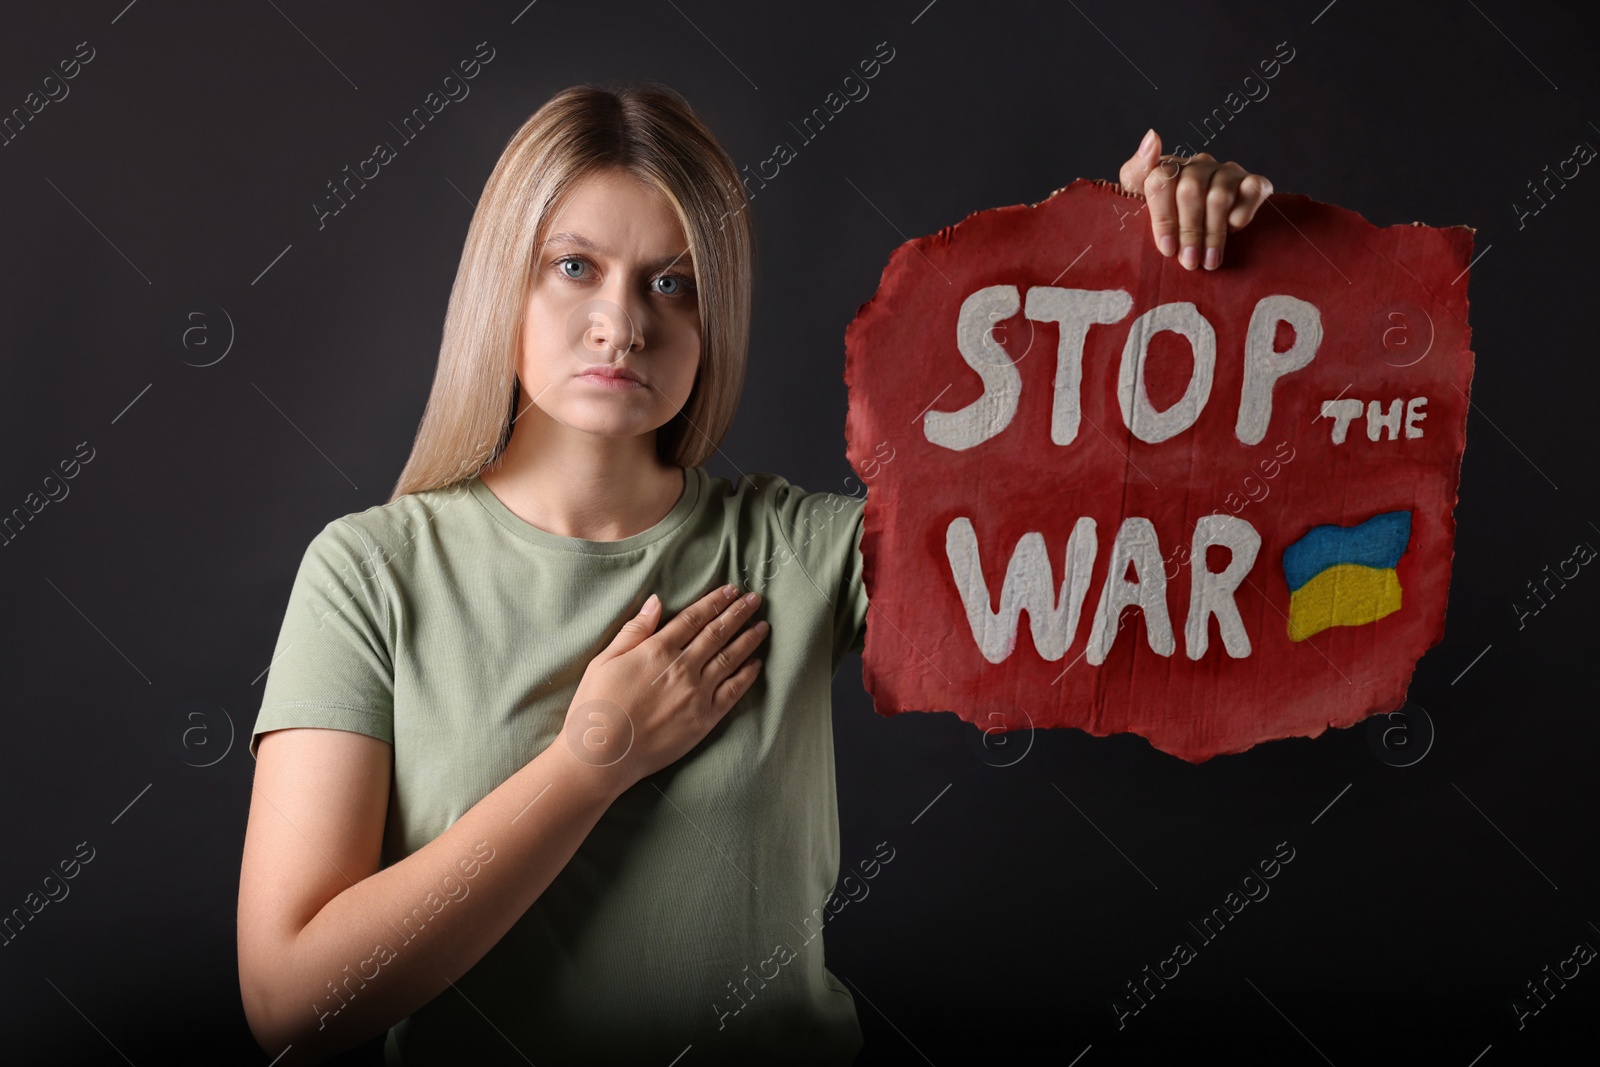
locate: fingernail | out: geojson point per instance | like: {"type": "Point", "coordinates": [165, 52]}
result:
{"type": "Point", "coordinates": [650, 605]}
{"type": "Point", "coordinates": [1189, 257]}
{"type": "Point", "coordinates": [729, 589]}
{"type": "Point", "coordinates": [1148, 143]}
{"type": "Point", "coordinates": [1213, 258]}
{"type": "Point", "coordinates": [761, 627]}
{"type": "Point", "coordinates": [751, 597]}
{"type": "Point", "coordinates": [1168, 244]}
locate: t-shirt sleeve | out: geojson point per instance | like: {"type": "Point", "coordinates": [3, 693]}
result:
{"type": "Point", "coordinates": [333, 664]}
{"type": "Point", "coordinates": [851, 634]}
{"type": "Point", "coordinates": [823, 530]}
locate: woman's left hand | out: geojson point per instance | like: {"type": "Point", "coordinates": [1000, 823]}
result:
{"type": "Point", "coordinates": [1194, 201]}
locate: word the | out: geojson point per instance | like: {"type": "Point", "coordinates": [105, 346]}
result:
{"type": "Point", "coordinates": [1582, 953]}
{"type": "Point", "coordinates": [1379, 422]}
{"type": "Point", "coordinates": [1183, 952]}
{"type": "Point", "coordinates": [33, 103]}
{"type": "Point", "coordinates": [1232, 104]}
{"type": "Point", "coordinates": [383, 152]}
{"type": "Point", "coordinates": [783, 953]}
{"type": "Point", "coordinates": [823, 511]}
{"type": "Point", "coordinates": [55, 890]}
{"type": "Point", "coordinates": [454, 889]}
{"type": "Point", "coordinates": [1583, 152]}
{"type": "Point", "coordinates": [1076, 310]}
{"type": "Point", "coordinates": [1578, 553]}
{"type": "Point", "coordinates": [784, 153]}
{"type": "Point", "coordinates": [55, 491]}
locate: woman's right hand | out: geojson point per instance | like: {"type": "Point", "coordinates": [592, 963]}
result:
{"type": "Point", "coordinates": [650, 696]}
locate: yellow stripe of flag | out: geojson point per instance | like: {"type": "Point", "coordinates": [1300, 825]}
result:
{"type": "Point", "coordinates": [1346, 594]}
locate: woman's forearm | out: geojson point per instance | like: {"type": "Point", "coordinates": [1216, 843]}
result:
{"type": "Point", "coordinates": [393, 941]}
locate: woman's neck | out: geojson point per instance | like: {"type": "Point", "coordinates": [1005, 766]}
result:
{"type": "Point", "coordinates": [579, 485]}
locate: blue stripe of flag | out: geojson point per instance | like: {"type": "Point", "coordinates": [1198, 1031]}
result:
{"type": "Point", "coordinates": [1377, 542]}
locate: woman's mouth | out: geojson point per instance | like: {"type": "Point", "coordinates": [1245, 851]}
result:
{"type": "Point", "coordinates": [610, 380]}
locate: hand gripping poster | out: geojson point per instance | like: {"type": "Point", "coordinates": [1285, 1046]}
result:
{"type": "Point", "coordinates": [1211, 508]}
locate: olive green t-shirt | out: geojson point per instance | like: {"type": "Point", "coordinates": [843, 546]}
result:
{"type": "Point", "coordinates": [692, 914]}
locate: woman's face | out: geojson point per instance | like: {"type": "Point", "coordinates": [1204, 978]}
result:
{"type": "Point", "coordinates": [612, 296]}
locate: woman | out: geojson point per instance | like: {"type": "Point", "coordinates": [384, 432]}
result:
{"type": "Point", "coordinates": [501, 808]}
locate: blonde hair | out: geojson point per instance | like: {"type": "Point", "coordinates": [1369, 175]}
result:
{"type": "Point", "coordinates": [651, 132]}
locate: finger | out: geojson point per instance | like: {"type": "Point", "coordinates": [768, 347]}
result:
{"type": "Point", "coordinates": [636, 629]}
{"type": "Point", "coordinates": [1191, 198]}
{"type": "Point", "coordinates": [714, 636]}
{"type": "Point", "coordinates": [736, 686]}
{"type": "Point", "coordinates": [733, 655]}
{"type": "Point", "coordinates": [1140, 164]}
{"type": "Point", "coordinates": [1253, 192]}
{"type": "Point", "coordinates": [676, 635]}
{"type": "Point", "coordinates": [1219, 201]}
{"type": "Point", "coordinates": [1160, 196]}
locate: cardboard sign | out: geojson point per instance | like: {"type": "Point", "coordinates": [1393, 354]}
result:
{"type": "Point", "coordinates": [1208, 507]}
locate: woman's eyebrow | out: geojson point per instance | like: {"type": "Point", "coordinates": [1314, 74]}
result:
{"type": "Point", "coordinates": [579, 240]}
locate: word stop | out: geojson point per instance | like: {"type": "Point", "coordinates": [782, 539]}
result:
{"type": "Point", "coordinates": [1076, 310]}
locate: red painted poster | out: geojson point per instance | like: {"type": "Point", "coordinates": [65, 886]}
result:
{"type": "Point", "coordinates": [1211, 508]}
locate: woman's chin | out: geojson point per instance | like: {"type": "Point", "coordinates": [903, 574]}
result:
{"type": "Point", "coordinates": [594, 425]}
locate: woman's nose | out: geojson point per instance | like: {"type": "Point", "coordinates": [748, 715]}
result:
{"type": "Point", "coordinates": [614, 325]}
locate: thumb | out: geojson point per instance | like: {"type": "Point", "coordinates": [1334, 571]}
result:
{"type": "Point", "coordinates": [636, 629]}
{"type": "Point", "coordinates": [1141, 163]}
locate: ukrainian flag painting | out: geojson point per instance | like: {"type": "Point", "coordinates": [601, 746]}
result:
{"type": "Point", "coordinates": [1345, 575]}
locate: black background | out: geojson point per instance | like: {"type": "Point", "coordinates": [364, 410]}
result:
{"type": "Point", "coordinates": [143, 608]}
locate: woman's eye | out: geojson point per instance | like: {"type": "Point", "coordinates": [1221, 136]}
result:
{"type": "Point", "coordinates": [576, 269]}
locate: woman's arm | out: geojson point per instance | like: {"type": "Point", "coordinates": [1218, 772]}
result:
{"type": "Point", "coordinates": [333, 950]}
